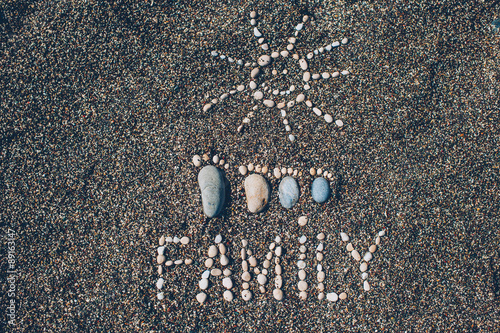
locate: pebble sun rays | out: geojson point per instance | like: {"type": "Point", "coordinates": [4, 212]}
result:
{"type": "Point", "coordinates": [262, 86]}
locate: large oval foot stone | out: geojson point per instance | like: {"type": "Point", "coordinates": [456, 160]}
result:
{"type": "Point", "coordinates": [320, 190]}
{"type": "Point", "coordinates": [257, 192]}
{"type": "Point", "coordinates": [288, 192]}
{"type": "Point", "coordinates": [213, 192]}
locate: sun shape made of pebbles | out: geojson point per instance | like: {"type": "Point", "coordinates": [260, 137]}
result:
{"type": "Point", "coordinates": [264, 78]}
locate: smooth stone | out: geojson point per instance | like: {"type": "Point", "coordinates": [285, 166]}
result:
{"type": "Point", "coordinates": [335, 74]}
{"type": "Point", "coordinates": [243, 254]}
{"type": "Point", "coordinates": [203, 284]}
{"type": "Point", "coordinates": [169, 263]}
{"type": "Point", "coordinates": [257, 192]}
{"type": "Point", "coordinates": [278, 251]}
{"type": "Point", "coordinates": [319, 268]}
{"type": "Point", "coordinates": [160, 259]}
{"type": "Point", "coordinates": [321, 276]}
{"type": "Point", "coordinates": [302, 256]}
{"type": "Point", "coordinates": [368, 256]}
{"type": "Point", "coordinates": [355, 254]}
{"type": "Point", "coordinates": [264, 60]}
{"type": "Point", "coordinates": [161, 250]}
{"type": "Point", "coordinates": [320, 236]}
{"type": "Point", "coordinates": [253, 22]}
{"type": "Point", "coordinates": [332, 297]}
{"type": "Point", "coordinates": [320, 247]}
{"type": "Point", "coordinates": [227, 272]}
{"type": "Point", "coordinates": [344, 237]}
{"type": "Point", "coordinates": [213, 191]}
{"type": "Point", "coordinates": [335, 44]}
{"type": "Point", "coordinates": [258, 95]}
{"type": "Point", "coordinates": [178, 261]}
{"type": "Point", "coordinates": [277, 269]}
{"type": "Point", "coordinates": [162, 240]}
{"type": "Point", "coordinates": [317, 111]}
{"type": "Point", "coordinates": [302, 274]}
{"type": "Point", "coordinates": [325, 75]}
{"type": "Point", "coordinates": [301, 264]}
{"type": "Point", "coordinates": [215, 272]}
{"type": "Point", "coordinates": [227, 283]}
{"type": "Point", "coordinates": [224, 260]}
{"type": "Point", "coordinates": [207, 107]}
{"type": "Point", "coordinates": [245, 285]}
{"type": "Point", "coordinates": [364, 276]}
{"type": "Point", "coordinates": [321, 296]}
{"type": "Point", "coordinates": [209, 263]}
{"type": "Point", "coordinates": [319, 256]}
{"type": "Point", "coordinates": [159, 283]}
{"type": "Point", "coordinates": [244, 265]}
{"type": "Point", "coordinates": [252, 261]}
{"type": "Point", "coordinates": [161, 296]}
{"type": "Point", "coordinates": [316, 76]}
{"type": "Point", "coordinates": [228, 295]}
{"type": "Point", "coordinates": [256, 32]}
{"type": "Point", "coordinates": [176, 239]}
{"type": "Point", "coordinates": [269, 103]}
{"type": "Point", "coordinates": [278, 294]}
{"type": "Point", "coordinates": [223, 96]}
{"type": "Point", "coordinates": [196, 162]}
{"type": "Point", "coordinates": [302, 285]}
{"type": "Point", "coordinates": [299, 26]}
{"type": "Point", "coordinates": [218, 239]}
{"type": "Point", "coordinates": [363, 267]}
{"type": "Point", "coordinates": [381, 233]}
{"type": "Point", "coordinates": [303, 295]}
{"type": "Point", "coordinates": [262, 279]}
{"type": "Point", "coordinates": [377, 240]}
{"type": "Point", "coordinates": [246, 295]}
{"type": "Point", "coordinates": [302, 249]}
{"type": "Point", "coordinates": [302, 239]}
{"type": "Point", "coordinates": [201, 297]}
{"type": "Point", "coordinates": [278, 281]}
{"type": "Point", "coordinates": [284, 54]}
{"type": "Point", "coordinates": [303, 64]}
{"type": "Point", "coordinates": [373, 248]}
{"type": "Point", "coordinates": [277, 172]}
{"type": "Point", "coordinates": [349, 247]}
{"type": "Point", "coordinates": [300, 98]}
{"type": "Point", "coordinates": [320, 190]}
{"type": "Point", "coordinates": [212, 251]}
{"type": "Point", "coordinates": [255, 72]}
{"type": "Point", "coordinates": [302, 221]}
{"type": "Point", "coordinates": [222, 248]}
{"type": "Point", "coordinates": [366, 286]}
{"type": "Point", "coordinates": [345, 41]}
{"type": "Point", "coordinates": [160, 270]}
{"type": "Point", "coordinates": [288, 192]}
{"type": "Point", "coordinates": [343, 296]}
{"type": "Point", "coordinates": [253, 14]}
{"type": "Point", "coordinates": [185, 240]}
{"type": "Point", "coordinates": [188, 261]}
{"type": "Point", "coordinates": [246, 276]}
{"type": "Point", "coordinates": [275, 55]}
{"type": "Point", "coordinates": [328, 118]}
{"type": "Point", "coordinates": [344, 72]}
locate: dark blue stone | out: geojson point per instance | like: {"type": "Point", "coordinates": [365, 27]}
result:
{"type": "Point", "coordinates": [320, 190]}
{"type": "Point", "coordinates": [213, 191]}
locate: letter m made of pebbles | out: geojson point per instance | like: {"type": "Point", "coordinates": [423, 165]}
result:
{"type": "Point", "coordinates": [213, 192]}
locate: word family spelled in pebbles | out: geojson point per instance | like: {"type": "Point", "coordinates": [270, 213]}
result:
{"type": "Point", "coordinates": [256, 271]}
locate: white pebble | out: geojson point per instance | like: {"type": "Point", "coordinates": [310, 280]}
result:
{"type": "Point", "coordinates": [277, 173]}
{"type": "Point", "coordinates": [215, 272]}
{"type": "Point", "coordinates": [203, 284]}
{"type": "Point", "coordinates": [269, 103]}
{"type": "Point", "coordinates": [246, 295]}
{"type": "Point", "coordinates": [366, 286]}
{"type": "Point", "coordinates": [300, 98]}
{"type": "Point", "coordinates": [335, 44]}
{"type": "Point", "coordinates": [262, 279]}
{"type": "Point", "coordinates": [246, 276]}
{"type": "Point", "coordinates": [196, 162]}
{"type": "Point", "coordinates": [364, 276]}
{"type": "Point", "coordinates": [227, 283]}
{"type": "Point", "coordinates": [240, 87]}
{"type": "Point", "coordinates": [209, 263]}
{"type": "Point", "coordinates": [339, 123]}
{"type": "Point", "coordinates": [302, 274]}
{"type": "Point", "coordinates": [161, 250]}
{"type": "Point", "coordinates": [275, 55]}
{"type": "Point", "coordinates": [363, 267]}
{"type": "Point", "coordinates": [320, 247]}
{"type": "Point", "coordinates": [212, 251]}
{"type": "Point", "coordinates": [176, 240]}
{"type": "Point", "coordinates": [185, 240]}
{"type": "Point", "coordinates": [224, 260]}
{"type": "Point", "coordinates": [255, 72]}
{"type": "Point", "coordinates": [335, 74]}
{"type": "Point", "coordinates": [344, 72]}
{"type": "Point", "coordinates": [178, 261]}
{"type": "Point", "coordinates": [302, 285]}
{"type": "Point", "coordinates": [301, 264]}
{"type": "Point", "coordinates": [328, 118]}
{"type": "Point", "coordinates": [201, 297]}
{"type": "Point", "coordinates": [325, 75]}
{"type": "Point", "coordinates": [161, 296]}
{"type": "Point", "coordinates": [302, 239]}
{"type": "Point", "coordinates": [321, 276]}
{"type": "Point", "coordinates": [368, 256]}
{"type": "Point", "coordinates": [278, 281]}
{"type": "Point", "coordinates": [344, 237]}
{"type": "Point", "coordinates": [227, 272]}
{"type": "Point", "coordinates": [299, 26]}
{"type": "Point", "coordinates": [159, 283]}
{"type": "Point", "coordinates": [278, 294]}
{"type": "Point", "coordinates": [373, 248]}
{"type": "Point", "coordinates": [303, 295]}
{"type": "Point", "coordinates": [381, 233]}
{"type": "Point", "coordinates": [253, 14]}
{"type": "Point", "coordinates": [345, 41]}
{"type": "Point", "coordinates": [228, 295]}
{"type": "Point", "coordinates": [355, 254]}
{"type": "Point", "coordinates": [317, 111]}
{"type": "Point", "coordinates": [319, 268]}
{"type": "Point", "coordinates": [321, 236]}
{"type": "Point", "coordinates": [332, 297]}
{"type": "Point", "coordinates": [256, 32]}
{"type": "Point", "coordinates": [303, 64]}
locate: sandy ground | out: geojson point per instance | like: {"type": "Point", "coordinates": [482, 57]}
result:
{"type": "Point", "coordinates": [102, 112]}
